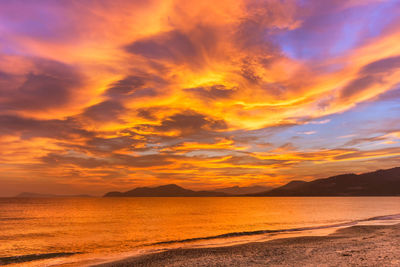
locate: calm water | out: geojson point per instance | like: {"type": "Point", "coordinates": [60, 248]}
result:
{"type": "Point", "coordinates": [102, 228]}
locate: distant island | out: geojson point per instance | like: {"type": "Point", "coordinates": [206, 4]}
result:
{"type": "Point", "coordinates": [244, 190]}
{"type": "Point", "coordinates": [170, 190]}
{"type": "Point", "coordinates": [173, 190]}
{"type": "Point", "coordinates": [378, 183]}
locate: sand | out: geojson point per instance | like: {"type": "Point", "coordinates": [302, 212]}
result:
{"type": "Point", "coordinates": [373, 245]}
{"type": "Point", "coordinates": [33, 257]}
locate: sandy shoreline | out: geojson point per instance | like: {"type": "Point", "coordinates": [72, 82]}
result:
{"type": "Point", "coordinates": [360, 245]}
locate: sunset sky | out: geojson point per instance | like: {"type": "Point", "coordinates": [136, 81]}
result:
{"type": "Point", "coordinates": [99, 96]}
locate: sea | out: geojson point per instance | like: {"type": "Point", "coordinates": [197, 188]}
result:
{"type": "Point", "coordinates": [88, 231]}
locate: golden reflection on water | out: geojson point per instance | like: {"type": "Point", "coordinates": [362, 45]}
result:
{"type": "Point", "coordinates": [105, 226]}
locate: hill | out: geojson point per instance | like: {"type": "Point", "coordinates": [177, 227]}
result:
{"type": "Point", "coordinates": [170, 190]}
{"type": "Point", "coordinates": [378, 183]}
{"type": "Point", "coordinates": [238, 190]}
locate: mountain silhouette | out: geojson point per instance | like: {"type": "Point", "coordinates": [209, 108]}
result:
{"type": "Point", "coordinates": [238, 190]}
{"type": "Point", "coordinates": [170, 190]}
{"type": "Point", "coordinates": [378, 183]}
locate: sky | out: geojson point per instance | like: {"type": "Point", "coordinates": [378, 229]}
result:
{"type": "Point", "coordinates": [106, 95]}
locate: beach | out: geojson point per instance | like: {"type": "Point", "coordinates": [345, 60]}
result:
{"type": "Point", "coordinates": [359, 245]}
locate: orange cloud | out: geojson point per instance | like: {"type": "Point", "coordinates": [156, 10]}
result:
{"type": "Point", "coordinates": [122, 93]}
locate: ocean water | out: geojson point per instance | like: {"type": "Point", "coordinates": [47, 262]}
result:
{"type": "Point", "coordinates": [85, 231]}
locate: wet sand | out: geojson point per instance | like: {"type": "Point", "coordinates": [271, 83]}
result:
{"type": "Point", "coordinates": [33, 257]}
{"type": "Point", "coordinates": [372, 245]}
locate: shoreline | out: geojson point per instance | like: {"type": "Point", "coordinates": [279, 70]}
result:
{"type": "Point", "coordinates": [366, 245]}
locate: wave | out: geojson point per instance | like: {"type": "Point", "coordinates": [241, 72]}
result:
{"type": "Point", "coordinates": [260, 232]}
{"type": "Point", "coordinates": [384, 217]}
{"type": "Point", "coordinates": [32, 257]}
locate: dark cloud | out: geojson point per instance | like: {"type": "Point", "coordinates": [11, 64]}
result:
{"type": "Point", "coordinates": [188, 126]}
{"type": "Point", "coordinates": [357, 141]}
{"type": "Point", "coordinates": [113, 160]}
{"type": "Point", "coordinates": [146, 92]}
{"type": "Point", "coordinates": [391, 95]}
{"type": "Point", "coordinates": [371, 74]}
{"type": "Point", "coordinates": [190, 122]}
{"type": "Point", "coordinates": [30, 128]}
{"type": "Point", "coordinates": [49, 84]}
{"type": "Point", "coordinates": [212, 92]}
{"type": "Point", "coordinates": [382, 66]}
{"type": "Point", "coordinates": [144, 85]}
{"type": "Point", "coordinates": [111, 144]}
{"type": "Point", "coordinates": [252, 35]}
{"type": "Point", "coordinates": [249, 74]}
{"type": "Point", "coordinates": [172, 46]}
{"type": "Point", "coordinates": [359, 85]}
{"type": "Point", "coordinates": [105, 111]}
{"type": "Point", "coordinates": [143, 161]}
{"type": "Point", "coordinates": [150, 113]}
{"type": "Point", "coordinates": [368, 153]}
{"type": "Point", "coordinates": [249, 160]}
{"type": "Point", "coordinates": [177, 46]}
{"type": "Point", "coordinates": [322, 154]}
{"type": "Point", "coordinates": [125, 86]}
{"type": "Point", "coordinates": [147, 113]}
